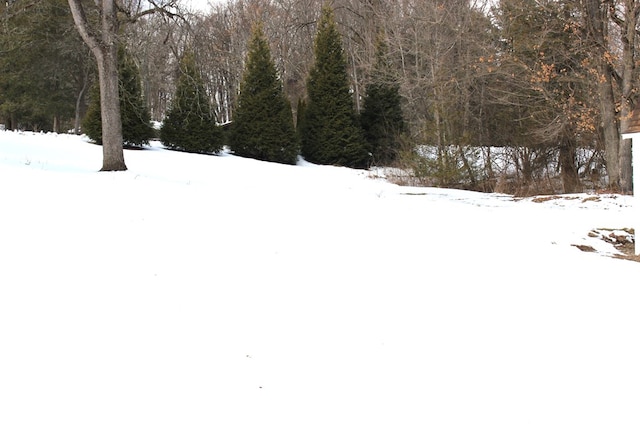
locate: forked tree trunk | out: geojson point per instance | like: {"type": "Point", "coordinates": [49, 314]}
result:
{"type": "Point", "coordinates": [103, 44]}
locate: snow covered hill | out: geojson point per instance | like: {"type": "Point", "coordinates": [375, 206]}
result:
{"type": "Point", "coordinates": [201, 290]}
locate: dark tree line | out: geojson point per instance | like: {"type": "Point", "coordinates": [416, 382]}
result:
{"type": "Point", "coordinates": [45, 68]}
{"type": "Point", "coordinates": [541, 86]}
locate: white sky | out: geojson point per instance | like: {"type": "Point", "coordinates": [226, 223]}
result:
{"type": "Point", "coordinates": [202, 5]}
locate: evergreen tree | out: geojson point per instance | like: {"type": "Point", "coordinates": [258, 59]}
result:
{"type": "Point", "coordinates": [329, 128]}
{"type": "Point", "coordinates": [190, 124]}
{"type": "Point", "coordinates": [300, 110]}
{"type": "Point", "coordinates": [263, 121]}
{"type": "Point", "coordinates": [42, 62]}
{"type": "Point", "coordinates": [136, 129]}
{"type": "Point", "coordinates": [92, 121]}
{"type": "Point", "coordinates": [381, 116]}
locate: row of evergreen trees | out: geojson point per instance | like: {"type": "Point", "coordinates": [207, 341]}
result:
{"type": "Point", "coordinates": [328, 131]}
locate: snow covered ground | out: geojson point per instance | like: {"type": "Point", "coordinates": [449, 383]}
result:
{"type": "Point", "coordinates": [201, 290]}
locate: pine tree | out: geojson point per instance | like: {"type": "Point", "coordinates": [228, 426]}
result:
{"type": "Point", "coordinates": [92, 122]}
{"type": "Point", "coordinates": [329, 128]}
{"type": "Point", "coordinates": [381, 116]}
{"type": "Point", "coordinates": [42, 64]}
{"type": "Point", "coordinates": [190, 124]}
{"type": "Point", "coordinates": [263, 121]}
{"type": "Point", "coordinates": [301, 110]}
{"type": "Point", "coordinates": [136, 129]}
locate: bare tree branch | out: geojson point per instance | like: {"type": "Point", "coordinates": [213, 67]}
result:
{"type": "Point", "coordinates": [82, 24]}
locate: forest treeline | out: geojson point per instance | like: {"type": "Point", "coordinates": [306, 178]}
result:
{"type": "Point", "coordinates": [517, 96]}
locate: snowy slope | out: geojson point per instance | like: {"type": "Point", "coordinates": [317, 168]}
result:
{"type": "Point", "coordinates": [200, 290]}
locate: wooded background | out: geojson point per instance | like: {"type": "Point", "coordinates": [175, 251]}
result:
{"type": "Point", "coordinates": [512, 95]}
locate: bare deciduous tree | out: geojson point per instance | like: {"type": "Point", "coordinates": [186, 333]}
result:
{"type": "Point", "coordinates": [626, 15]}
{"type": "Point", "coordinates": [102, 40]}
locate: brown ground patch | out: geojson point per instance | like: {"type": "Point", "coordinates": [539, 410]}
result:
{"type": "Point", "coordinates": [628, 252]}
{"type": "Point", "coordinates": [621, 239]}
{"type": "Point", "coordinates": [542, 199]}
{"type": "Point", "coordinates": [585, 248]}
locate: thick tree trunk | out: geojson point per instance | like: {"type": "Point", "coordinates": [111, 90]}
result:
{"type": "Point", "coordinates": [112, 150]}
{"type": "Point", "coordinates": [105, 48]}
{"type": "Point", "coordinates": [626, 168]}
{"type": "Point", "coordinates": [610, 131]}
{"type": "Point", "coordinates": [568, 169]}
{"type": "Point", "coordinates": [597, 23]}
{"type": "Point", "coordinates": [628, 88]}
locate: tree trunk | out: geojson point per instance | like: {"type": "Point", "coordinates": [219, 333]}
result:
{"type": "Point", "coordinates": [628, 86]}
{"type": "Point", "coordinates": [79, 98]}
{"type": "Point", "coordinates": [597, 20]}
{"type": "Point", "coordinates": [105, 49]}
{"type": "Point", "coordinates": [611, 134]}
{"type": "Point", "coordinates": [568, 170]}
{"type": "Point", "coordinates": [112, 150]}
{"type": "Point", "coordinates": [626, 168]}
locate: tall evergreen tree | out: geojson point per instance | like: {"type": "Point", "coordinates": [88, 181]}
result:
{"type": "Point", "coordinates": [381, 117]}
{"type": "Point", "coordinates": [263, 121]}
{"type": "Point", "coordinates": [329, 129]}
{"type": "Point", "coordinates": [136, 129]}
{"type": "Point", "coordinates": [41, 64]}
{"type": "Point", "coordinates": [190, 124]}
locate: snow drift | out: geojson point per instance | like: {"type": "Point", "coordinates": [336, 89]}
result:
{"type": "Point", "coordinates": [200, 290]}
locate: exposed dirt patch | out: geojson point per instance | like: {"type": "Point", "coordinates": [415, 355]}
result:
{"type": "Point", "coordinates": [584, 199]}
{"type": "Point", "coordinates": [591, 199]}
{"type": "Point", "coordinates": [542, 199]}
{"type": "Point", "coordinates": [585, 248]}
{"type": "Point", "coordinates": [623, 240]}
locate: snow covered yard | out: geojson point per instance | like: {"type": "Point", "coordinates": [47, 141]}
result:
{"type": "Point", "coordinates": [200, 290]}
